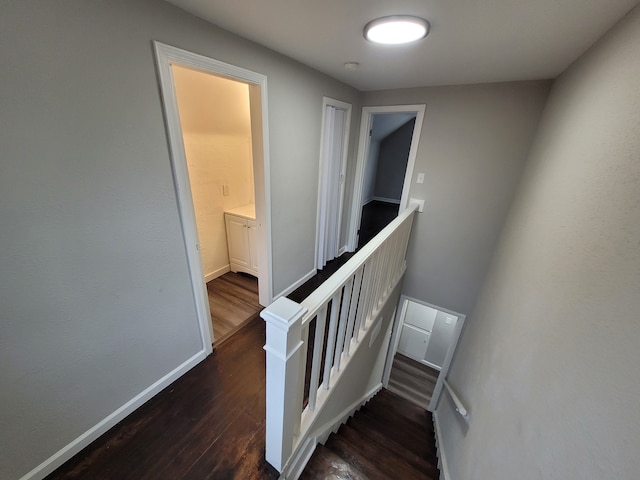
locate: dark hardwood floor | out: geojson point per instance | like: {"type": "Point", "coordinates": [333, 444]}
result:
{"type": "Point", "coordinates": [233, 301]}
{"type": "Point", "coordinates": [412, 380]}
{"type": "Point", "coordinates": [321, 276]}
{"type": "Point", "coordinates": [375, 216]}
{"type": "Point", "coordinates": [389, 438]}
{"type": "Point", "coordinates": [209, 424]}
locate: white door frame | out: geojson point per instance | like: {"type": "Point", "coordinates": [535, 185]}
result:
{"type": "Point", "coordinates": [166, 56]}
{"type": "Point", "coordinates": [364, 142]}
{"type": "Point", "coordinates": [327, 101]}
{"type": "Point", "coordinates": [395, 339]}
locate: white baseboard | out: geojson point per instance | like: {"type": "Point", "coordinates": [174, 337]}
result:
{"type": "Point", "coordinates": [387, 200]}
{"type": "Point", "coordinates": [442, 459]}
{"type": "Point", "coordinates": [216, 273]}
{"type": "Point", "coordinates": [299, 283]}
{"type": "Point", "coordinates": [66, 453]}
{"type": "Point", "coordinates": [295, 467]}
{"type": "Point", "coordinates": [342, 250]}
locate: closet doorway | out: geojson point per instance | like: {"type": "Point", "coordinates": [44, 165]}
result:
{"type": "Point", "coordinates": [334, 147]}
{"type": "Point", "coordinates": [216, 119]}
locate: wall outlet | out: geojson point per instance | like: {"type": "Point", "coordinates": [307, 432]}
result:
{"type": "Point", "coordinates": [420, 178]}
{"type": "Point", "coordinates": [225, 190]}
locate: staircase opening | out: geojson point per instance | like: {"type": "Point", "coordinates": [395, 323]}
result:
{"type": "Point", "coordinates": [389, 437]}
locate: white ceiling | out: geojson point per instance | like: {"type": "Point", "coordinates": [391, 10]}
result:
{"type": "Point", "coordinates": [471, 41]}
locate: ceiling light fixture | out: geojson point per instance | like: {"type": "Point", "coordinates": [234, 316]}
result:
{"type": "Point", "coordinates": [396, 29]}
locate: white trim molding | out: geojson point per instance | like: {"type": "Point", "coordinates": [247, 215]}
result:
{"type": "Point", "coordinates": [295, 285]}
{"type": "Point", "coordinates": [166, 56]}
{"type": "Point", "coordinates": [216, 273]}
{"type": "Point", "coordinates": [386, 200]}
{"type": "Point", "coordinates": [66, 453]}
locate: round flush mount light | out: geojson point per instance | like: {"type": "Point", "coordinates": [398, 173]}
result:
{"type": "Point", "coordinates": [396, 29]}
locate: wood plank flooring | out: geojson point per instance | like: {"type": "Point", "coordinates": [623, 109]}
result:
{"type": "Point", "coordinates": [209, 424]}
{"type": "Point", "coordinates": [389, 438]}
{"type": "Point", "coordinates": [319, 278]}
{"type": "Point", "coordinates": [233, 301]}
{"type": "Point", "coordinates": [412, 380]}
{"type": "Point", "coordinates": [375, 216]}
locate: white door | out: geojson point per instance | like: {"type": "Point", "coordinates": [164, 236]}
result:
{"type": "Point", "coordinates": [238, 240]}
{"type": "Point", "coordinates": [334, 146]}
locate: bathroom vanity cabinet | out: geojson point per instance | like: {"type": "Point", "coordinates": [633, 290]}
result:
{"type": "Point", "coordinates": [242, 239]}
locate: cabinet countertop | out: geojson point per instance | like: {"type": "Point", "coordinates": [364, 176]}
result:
{"type": "Point", "coordinates": [246, 211]}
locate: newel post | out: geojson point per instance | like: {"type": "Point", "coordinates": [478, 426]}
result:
{"type": "Point", "coordinates": [284, 341]}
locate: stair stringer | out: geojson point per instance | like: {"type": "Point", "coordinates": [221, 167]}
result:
{"type": "Point", "coordinates": [295, 466]}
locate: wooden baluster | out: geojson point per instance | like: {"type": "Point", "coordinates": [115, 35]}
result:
{"type": "Point", "coordinates": [353, 308]}
{"type": "Point", "coordinates": [377, 287]}
{"type": "Point", "coordinates": [318, 344]}
{"type": "Point", "coordinates": [363, 305]}
{"type": "Point", "coordinates": [373, 265]}
{"type": "Point", "coordinates": [342, 326]}
{"type": "Point", "coordinates": [333, 326]}
{"type": "Point", "coordinates": [302, 371]}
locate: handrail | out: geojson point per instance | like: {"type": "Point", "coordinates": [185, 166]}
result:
{"type": "Point", "coordinates": [460, 408]}
{"type": "Point", "coordinates": [326, 290]}
{"type": "Point", "coordinates": [339, 313]}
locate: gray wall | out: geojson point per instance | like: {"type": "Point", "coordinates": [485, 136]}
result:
{"type": "Point", "coordinates": [95, 299]}
{"type": "Point", "coordinates": [472, 149]}
{"type": "Point", "coordinates": [393, 155]}
{"type": "Point", "coordinates": [382, 125]}
{"type": "Point", "coordinates": [548, 363]}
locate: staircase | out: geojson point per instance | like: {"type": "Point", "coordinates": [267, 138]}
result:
{"type": "Point", "coordinates": [388, 438]}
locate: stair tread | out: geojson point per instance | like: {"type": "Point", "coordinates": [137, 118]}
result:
{"type": "Point", "coordinates": [326, 464]}
{"type": "Point", "coordinates": [405, 435]}
{"type": "Point", "coordinates": [422, 455]}
{"type": "Point", "coordinates": [389, 437]}
{"type": "Point", "coordinates": [424, 424]}
{"type": "Point", "coordinates": [375, 464]}
{"type": "Point", "coordinates": [387, 402]}
{"type": "Point", "coordinates": [422, 463]}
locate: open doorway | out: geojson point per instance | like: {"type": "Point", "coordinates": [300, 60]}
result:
{"type": "Point", "coordinates": [421, 349]}
{"type": "Point", "coordinates": [386, 155]}
{"type": "Point", "coordinates": [217, 125]}
{"type": "Point", "coordinates": [215, 119]}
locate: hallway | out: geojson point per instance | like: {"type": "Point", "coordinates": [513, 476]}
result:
{"type": "Point", "coordinates": [209, 424]}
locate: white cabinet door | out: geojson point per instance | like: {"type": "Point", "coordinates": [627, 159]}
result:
{"type": "Point", "coordinates": [420, 316]}
{"type": "Point", "coordinates": [253, 245]}
{"type": "Point", "coordinates": [238, 242]}
{"type": "Point", "coordinates": [441, 338]}
{"type": "Point", "coordinates": [413, 342]}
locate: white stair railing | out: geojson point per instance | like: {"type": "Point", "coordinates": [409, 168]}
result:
{"type": "Point", "coordinates": [339, 312]}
